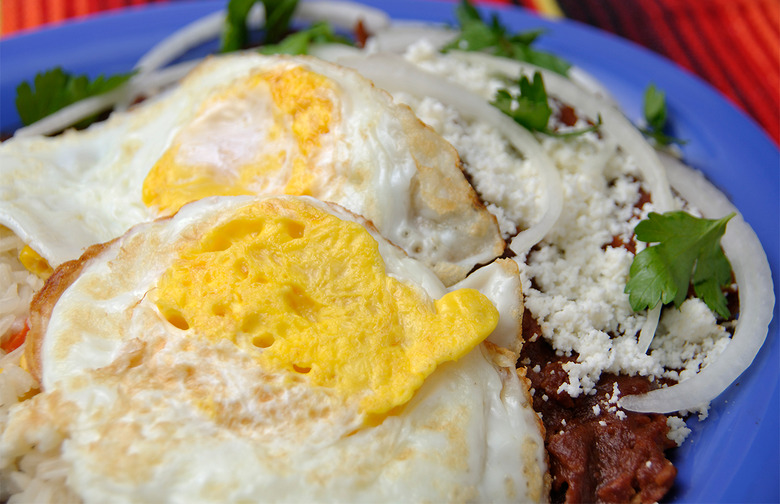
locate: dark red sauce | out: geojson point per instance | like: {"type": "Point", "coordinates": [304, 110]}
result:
{"type": "Point", "coordinates": [597, 452]}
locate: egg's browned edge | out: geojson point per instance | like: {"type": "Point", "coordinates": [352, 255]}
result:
{"type": "Point", "coordinates": [431, 150]}
{"type": "Point", "coordinates": [45, 299]}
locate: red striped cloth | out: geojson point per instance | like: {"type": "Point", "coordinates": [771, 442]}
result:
{"type": "Point", "coordinates": [25, 14]}
{"type": "Point", "coordinates": [732, 44]}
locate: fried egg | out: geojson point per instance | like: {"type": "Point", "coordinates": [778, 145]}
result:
{"type": "Point", "coordinates": [277, 349]}
{"type": "Point", "coordinates": [249, 124]}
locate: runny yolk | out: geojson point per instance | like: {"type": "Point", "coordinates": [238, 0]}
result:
{"type": "Point", "coordinates": [258, 136]}
{"type": "Point", "coordinates": [306, 292]}
{"type": "Point", "coordinates": [34, 263]}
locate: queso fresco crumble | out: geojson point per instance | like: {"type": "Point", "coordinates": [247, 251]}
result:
{"type": "Point", "coordinates": [574, 279]}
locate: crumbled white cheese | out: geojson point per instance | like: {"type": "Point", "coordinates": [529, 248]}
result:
{"type": "Point", "coordinates": [615, 397]}
{"type": "Point", "coordinates": [512, 188]}
{"type": "Point", "coordinates": [596, 409]}
{"type": "Point", "coordinates": [573, 281]}
{"type": "Point", "coordinates": [693, 323]}
{"type": "Point", "coordinates": [702, 412]}
{"type": "Point", "coordinates": [678, 430]}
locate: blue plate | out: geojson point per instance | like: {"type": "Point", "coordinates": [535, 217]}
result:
{"type": "Point", "coordinates": [733, 456]}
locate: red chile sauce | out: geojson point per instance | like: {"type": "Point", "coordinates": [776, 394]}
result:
{"type": "Point", "coordinates": [596, 455]}
{"type": "Point", "coordinates": [598, 452]}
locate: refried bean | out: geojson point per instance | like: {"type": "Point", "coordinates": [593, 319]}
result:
{"type": "Point", "coordinates": [597, 452]}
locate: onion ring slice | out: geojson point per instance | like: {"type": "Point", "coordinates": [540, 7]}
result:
{"type": "Point", "coordinates": [756, 298]}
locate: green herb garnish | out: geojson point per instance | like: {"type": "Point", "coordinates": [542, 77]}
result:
{"type": "Point", "coordinates": [687, 251]}
{"type": "Point", "coordinates": [300, 42]}
{"type": "Point", "coordinates": [235, 34]}
{"type": "Point", "coordinates": [56, 89]}
{"type": "Point", "coordinates": [477, 35]}
{"type": "Point", "coordinates": [656, 116]}
{"type": "Point", "coordinates": [531, 108]}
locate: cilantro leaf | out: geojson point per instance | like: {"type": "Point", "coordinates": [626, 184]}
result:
{"type": "Point", "coordinates": [655, 107]}
{"type": "Point", "coordinates": [492, 37]}
{"type": "Point", "coordinates": [56, 89]}
{"type": "Point", "coordinates": [655, 112]}
{"type": "Point", "coordinates": [278, 14]}
{"type": "Point", "coordinates": [299, 42]}
{"type": "Point", "coordinates": [531, 108]}
{"type": "Point", "coordinates": [687, 251]}
{"type": "Point", "coordinates": [235, 34]}
{"type": "Point", "coordinates": [467, 14]}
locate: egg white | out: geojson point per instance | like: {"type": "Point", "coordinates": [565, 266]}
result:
{"type": "Point", "coordinates": [129, 397]}
{"type": "Point", "coordinates": [65, 193]}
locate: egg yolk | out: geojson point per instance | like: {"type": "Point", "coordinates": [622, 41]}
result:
{"type": "Point", "coordinates": [259, 135]}
{"type": "Point", "coordinates": [307, 293]}
{"type": "Point", "coordinates": [34, 263]}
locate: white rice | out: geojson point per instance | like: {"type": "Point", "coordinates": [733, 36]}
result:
{"type": "Point", "coordinates": [17, 285]}
{"type": "Point", "coordinates": [34, 476]}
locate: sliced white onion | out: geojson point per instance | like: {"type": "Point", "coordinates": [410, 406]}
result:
{"type": "Point", "coordinates": [615, 124]}
{"type": "Point", "coordinates": [756, 301]}
{"type": "Point", "coordinates": [394, 74]}
{"type": "Point", "coordinates": [72, 114]}
{"type": "Point", "coordinates": [589, 83]}
{"type": "Point", "coordinates": [335, 52]}
{"type": "Point", "coordinates": [139, 85]}
{"type": "Point", "coordinates": [202, 30]}
{"type": "Point", "coordinates": [647, 332]}
{"type": "Point", "coordinates": [344, 15]}
{"type": "Point", "coordinates": [198, 32]}
{"type": "Point", "coordinates": [152, 83]}
{"type": "Point", "coordinates": [397, 37]}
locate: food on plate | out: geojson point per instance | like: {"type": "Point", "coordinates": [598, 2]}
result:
{"type": "Point", "coordinates": [559, 175]}
{"type": "Point", "coordinates": [250, 124]}
{"type": "Point", "coordinates": [277, 347]}
{"type": "Point", "coordinates": [577, 265]}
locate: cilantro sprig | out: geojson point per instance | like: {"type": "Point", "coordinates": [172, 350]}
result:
{"type": "Point", "coordinates": [531, 108]}
{"type": "Point", "coordinates": [300, 42]}
{"type": "Point", "coordinates": [55, 89]}
{"type": "Point", "coordinates": [687, 251]}
{"type": "Point", "coordinates": [277, 38]}
{"type": "Point", "coordinates": [656, 115]}
{"type": "Point", "coordinates": [235, 34]}
{"type": "Point", "coordinates": [493, 37]}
